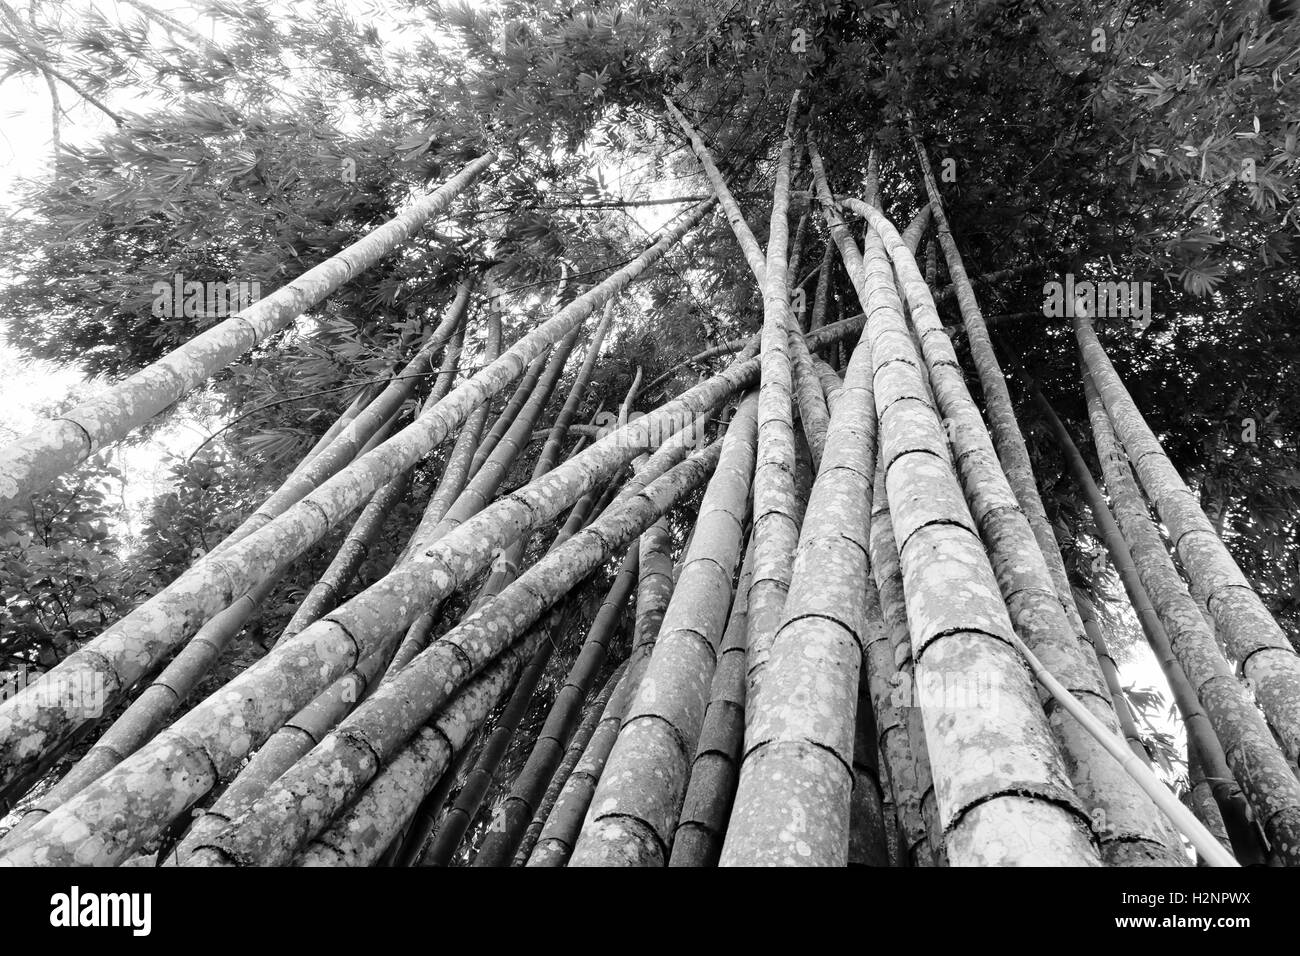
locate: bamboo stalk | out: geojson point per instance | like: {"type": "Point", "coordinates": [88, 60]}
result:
{"type": "Point", "coordinates": [31, 462]}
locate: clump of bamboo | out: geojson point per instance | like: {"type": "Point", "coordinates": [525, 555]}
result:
{"type": "Point", "coordinates": [639, 798]}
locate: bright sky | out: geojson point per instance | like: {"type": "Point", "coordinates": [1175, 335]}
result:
{"type": "Point", "coordinates": [27, 387]}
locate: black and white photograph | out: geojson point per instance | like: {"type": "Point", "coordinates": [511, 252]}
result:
{"type": "Point", "coordinates": [518, 434]}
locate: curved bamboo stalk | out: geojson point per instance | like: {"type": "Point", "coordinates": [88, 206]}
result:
{"type": "Point", "coordinates": [1005, 429]}
{"type": "Point", "coordinates": [53, 447]}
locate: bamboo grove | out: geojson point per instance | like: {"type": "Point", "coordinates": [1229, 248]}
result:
{"type": "Point", "coordinates": [833, 623]}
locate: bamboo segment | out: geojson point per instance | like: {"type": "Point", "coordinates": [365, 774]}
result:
{"type": "Point", "coordinates": [526, 387]}
{"type": "Point", "coordinates": [1248, 746]}
{"type": "Point", "coordinates": [50, 708]}
{"type": "Point", "coordinates": [906, 837]}
{"type": "Point", "coordinates": [456, 474]}
{"type": "Point", "coordinates": [1131, 830]}
{"type": "Point", "coordinates": [30, 463]}
{"type": "Point", "coordinates": [1253, 637]}
{"type": "Point", "coordinates": [507, 828]}
{"type": "Point", "coordinates": [823, 288]}
{"type": "Point", "coordinates": [716, 768]}
{"type": "Point", "coordinates": [361, 834]}
{"type": "Point", "coordinates": [893, 666]}
{"type": "Point", "coordinates": [458, 818]}
{"type": "Point", "coordinates": [639, 798]}
{"type": "Point", "coordinates": [573, 753]}
{"type": "Point", "coordinates": [957, 620]}
{"type": "Point", "coordinates": [875, 838]}
{"type": "Point", "coordinates": [1200, 800]}
{"type": "Point", "coordinates": [558, 835]}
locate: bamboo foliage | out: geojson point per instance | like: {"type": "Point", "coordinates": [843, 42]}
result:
{"type": "Point", "coordinates": [53, 447]}
{"type": "Point", "coordinates": [49, 709]}
{"type": "Point", "coordinates": [957, 620]}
